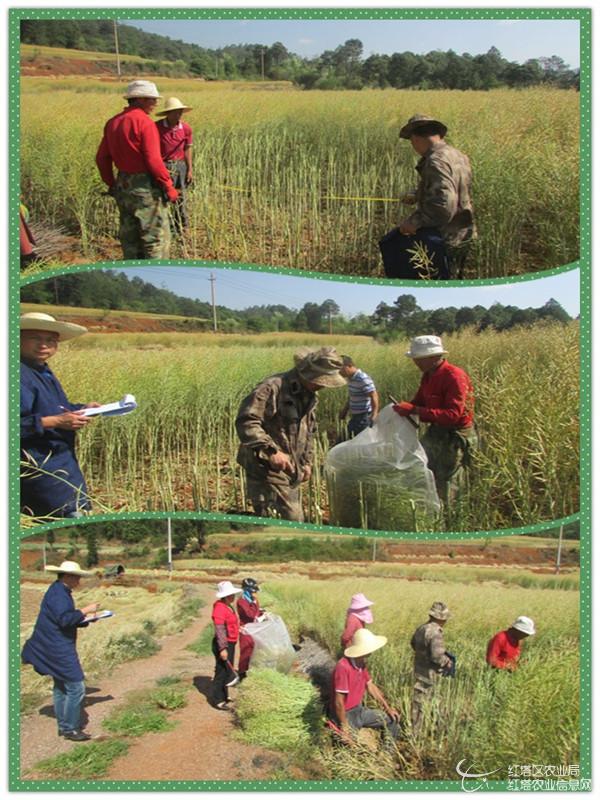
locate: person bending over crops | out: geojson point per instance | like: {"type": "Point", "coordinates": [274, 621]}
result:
{"type": "Point", "coordinates": [248, 611]}
{"type": "Point", "coordinates": [445, 399]}
{"type": "Point", "coordinates": [51, 480]}
{"type": "Point", "coordinates": [276, 425]}
{"type": "Point", "coordinates": [432, 240]}
{"type": "Point", "coordinates": [363, 399]}
{"type": "Point", "coordinates": [431, 659]}
{"type": "Point", "coordinates": [51, 648]}
{"type": "Point", "coordinates": [176, 152]}
{"type": "Point", "coordinates": [349, 684]}
{"type": "Point", "coordinates": [143, 187]}
{"type": "Point", "coordinates": [504, 649]}
{"type": "Point", "coordinates": [357, 616]}
{"type": "Point", "coordinates": [227, 628]}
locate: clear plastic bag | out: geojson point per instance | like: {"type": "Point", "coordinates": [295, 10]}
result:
{"type": "Point", "coordinates": [272, 644]}
{"type": "Point", "coordinates": [380, 480]}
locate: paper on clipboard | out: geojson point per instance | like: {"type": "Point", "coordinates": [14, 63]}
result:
{"type": "Point", "coordinates": [125, 405]}
{"type": "Point", "coordinates": [100, 615]}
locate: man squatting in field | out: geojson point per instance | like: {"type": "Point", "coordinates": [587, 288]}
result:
{"type": "Point", "coordinates": [276, 425]}
{"type": "Point", "coordinates": [363, 399]}
{"type": "Point", "coordinates": [443, 217]}
{"type": "Point", "coordinates": [504, 649]}
{"type": "Point", "coordinates": [445, 399]}
{"type": "Point", "coordinates": [431, 659]}
{"type": "Point", "coordinates": [51, 482]}
{"type": "Point", "coordinates": [143, 187]}
{"type": "Point", "coordinates": [349, 684]}
{"type": "Point", "coordinates": [176, 152]}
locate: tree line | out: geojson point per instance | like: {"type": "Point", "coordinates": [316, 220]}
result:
{"type": "Point", "coordinates": [114, 291]}
{"type": "Point", "coordinates": [344, 67]}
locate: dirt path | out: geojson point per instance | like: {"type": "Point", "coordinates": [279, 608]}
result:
{"type": "Point", "coordinates": [200, 747]}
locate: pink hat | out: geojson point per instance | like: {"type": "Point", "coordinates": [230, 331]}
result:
{"type": "Point", "coordinates": [359, 601]}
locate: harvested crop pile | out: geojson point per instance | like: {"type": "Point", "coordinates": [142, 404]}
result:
{"type": "Point", "coordinates": [279, 711]}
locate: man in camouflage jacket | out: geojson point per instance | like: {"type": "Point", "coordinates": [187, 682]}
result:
{"type": "Point", "coordinates": [431, 659]}
{"type": "Point", "coordinates": [276, 425]}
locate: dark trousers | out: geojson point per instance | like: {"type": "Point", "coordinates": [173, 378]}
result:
{"type": "Point", "coordinates": [362, 717]}
{"type": "Point", "coordinates": [223, 671]}
{"type": "Point", "coordinates": [179, 214]}
{"type": "Point", "coordinates": [358, 423]}
{"type": "Point", "coordinates": [421, 256]}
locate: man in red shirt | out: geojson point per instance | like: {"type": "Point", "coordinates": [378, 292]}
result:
{"type": "Point", "coordinates": [445, 399]}
{"type": "Point", "coordinates": [176, 151]}
{"type": "Point", "coordinates": [143, 187]}
{"type": "Point", "coordinates": [349, 684]}
{"type": "Point", "coordinates": [504, 649]}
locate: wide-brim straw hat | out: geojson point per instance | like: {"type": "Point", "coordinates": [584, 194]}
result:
{"type": "Point", "coordinates": [142, 89]}
{"type": "Point", "coordinates": [418, 121]}
{"type": "Point", "coordinates": [525, 625]}
{"type": "Point", "coordinates": [440, 611]}
{"type": "Point", "coordinates": [36, 321]}
{"type": "Point", "coordinates": [363, 643]}
{"type": "Point", "coordinates": [359, 601]}
{"type": "Point", "coordinates": [172, 104]}
{"type": "Point", "coordinates": [226, 589]}
{"type": "Point", "coordinates": [69, 568]}
{"type": "Point", "coordinates": [425, 346]}
{"type": "Point", "coordinates": [321, 367]}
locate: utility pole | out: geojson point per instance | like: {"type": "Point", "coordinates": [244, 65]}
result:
{"type": "Point", "coordinates": [262, 62]}
{"type": "Point", "coordinates": [169, 548]}
{"type": "Point", "coordinates": [374, 550]}
{"type": "Point", "coordinates": [212, 300]}
{"type": "Point", "coordinates": [44, 552]}
{"type": "Point", "coordinates": [216, 66]}
{"type": "Point", "coordinates": [117, 47]}
{"type": "Point", "coordinates": [559, 551]}
{"type": "Point", "coordinates": [330, 322]}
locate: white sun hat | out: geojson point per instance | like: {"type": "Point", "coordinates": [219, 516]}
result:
{"type": "Point", "coordinates": [226, 588]}
{"type": "Point", "coordinates": [525, 625]}
{"type": "Point", "coordinates": [141, 89]}
{"type": "Point", "coordinates": [364, 642]}
{"type": "Point", "coordinates": [424, 346]}
{"type": "Point", "coordinates": [173, 104]}
{"type": "Point", "coordinates": [70, 568]}
{"type": "Point", "coordinates": [36, 321]}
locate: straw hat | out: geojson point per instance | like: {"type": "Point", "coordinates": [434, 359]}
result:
{"type": "Point", "coordinates": [364, 642]}
{"type": "Point", "coordinates": [141, 89]}
{"type": "Point", "coordinates": [36, 321]}
{"type": "Point", "coordinates": [418, 121]}
{"type": "Point", "coordinates": [70, 568]}
{"type": "Point", "coordinates": [321, 367]}
{"type": "Point", "coordinates": [525, 625]}
{"type": "Point", "coordinates": [424, 346]}
{"type": "Point", "coordinates": [172, 104]}
{"type": "Point", "coordinates": [359, 601]}
{"type": "Point", "coordinates": [440, 611]}
{"type": "Point", "coordinates": [226, 588]}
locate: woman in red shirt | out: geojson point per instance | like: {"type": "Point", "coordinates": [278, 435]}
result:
{"type": "Point", "coordinates": [227, 628]}
{"type": "Point", "coordinates": [248, 611]}
{"type": "Point", "coordinates": [357, 616]}
{"type": "Point", "coordinates": [504, 649]}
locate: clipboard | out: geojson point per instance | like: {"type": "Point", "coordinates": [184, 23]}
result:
{"type": "Point", "coordinates": [125, 405]}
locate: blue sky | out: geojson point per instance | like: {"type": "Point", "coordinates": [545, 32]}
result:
{"type": "Point", "coordinates": [517, 40]}
{"type": "Point", "coordinates": [236, 288]}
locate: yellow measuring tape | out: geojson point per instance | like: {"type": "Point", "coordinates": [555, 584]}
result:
{"type": "Point", "coordinates": [325, 196]}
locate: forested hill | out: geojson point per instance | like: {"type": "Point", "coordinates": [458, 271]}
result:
{"type": "Point", "coordinates": [345, 67]}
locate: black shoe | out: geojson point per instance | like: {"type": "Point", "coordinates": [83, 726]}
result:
{"type": "Point", "coordinates": [77, 736]}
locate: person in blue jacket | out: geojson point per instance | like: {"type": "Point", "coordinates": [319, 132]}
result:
{"type": "Point", "coordinates": [51, 649]}
{"type": "Point", "coordinates": [52, 484]}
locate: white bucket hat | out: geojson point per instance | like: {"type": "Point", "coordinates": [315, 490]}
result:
{"type": "Point", "coordinates": [172, 104]}
{"type": "Point", "coordinates": [36, 321]}
{"type": "Point", "coordinates": [70, 568]}
{"type": "Point", "coordinates": [226, 588]}
{"type": "Point", "coordinates": [364, 642]}
{"type": "Point", "coordinates": [424, 346]}
{"type": "Point", "coordinates": [141, 89]}
{"type": "Point", "coordinates": [525, 625]}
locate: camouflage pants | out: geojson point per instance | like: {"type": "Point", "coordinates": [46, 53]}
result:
{"type": "Point", "coordinates": [422, 691]}
{"type": "Point", "coordinates": [179, 215]}
{"type": "Point", "coordinates": [449, 458]}
{"type": "Point", "coordinates": [268, 500]}
{"type": "Point", "coordinates": [144, 217]}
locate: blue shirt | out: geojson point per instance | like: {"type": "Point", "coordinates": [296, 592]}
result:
{"type": "Point", "coordinates": [360, 386]}
{"type": "Point", "coordinates": [51, 650]}
{"type": "Point", "coordinates": [50, 449]}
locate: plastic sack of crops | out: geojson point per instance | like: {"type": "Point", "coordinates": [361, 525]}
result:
{"type": "Point", "coordinates": [380, 479]}
{"type": "Point", "coordinates": [272, 644]}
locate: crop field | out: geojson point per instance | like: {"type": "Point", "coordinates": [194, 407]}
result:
{"type": "Point", "coordinates": [311, 180]}
{"type": "Point", "coordinates": [178, 450]}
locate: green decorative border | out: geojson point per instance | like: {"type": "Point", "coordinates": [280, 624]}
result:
{"type": "Point", "coordinates": [583, 15]}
